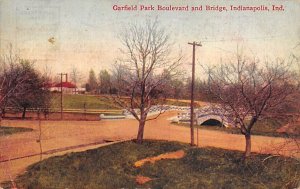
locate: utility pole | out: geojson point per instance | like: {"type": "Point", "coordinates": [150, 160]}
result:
{"type": "Point", "coordinates": [192, 92]}
{"type": "Point", "coordinates": [61, 93]}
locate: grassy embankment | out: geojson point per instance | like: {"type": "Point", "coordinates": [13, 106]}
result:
{"type": "Point", "coordinates": [266, 127]}
{"type": "Point", "coordinates": [113, 167]}
{"type": "Point", "coordinates": [95, 103]}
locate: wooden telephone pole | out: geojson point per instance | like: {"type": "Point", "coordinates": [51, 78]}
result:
{"type": "Point", "coordinates": [192, 92]}
{"type": "Point", "coordinates": [61, 93]}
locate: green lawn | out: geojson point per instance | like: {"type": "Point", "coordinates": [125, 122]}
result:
{"type": "Point", "coordinates": [179, 103]}
{"type": "Point", "coordinates": [112, 167]}
{"type": "Point", "coordinates": [78, 101]}
{"type": "Point", "coordinates": [266, 127]}
{"type": "Point", "coordinates": [12, 130]}
{"type": "Point", "coordinates": [94, 102]}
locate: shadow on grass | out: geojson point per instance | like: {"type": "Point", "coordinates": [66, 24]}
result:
{"type": "Point", "coordinates": [12, 130]}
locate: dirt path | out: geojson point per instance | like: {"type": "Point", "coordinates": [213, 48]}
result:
{"type": "Point", "coordinates": [62, 134]}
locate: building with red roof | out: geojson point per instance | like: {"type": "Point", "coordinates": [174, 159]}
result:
{"type": "Point", "coordinates": [66, 84]}
{"type": "Point", "coordinates": [66, 87]}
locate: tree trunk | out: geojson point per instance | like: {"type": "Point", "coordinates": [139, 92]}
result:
{"type": "Point", "coordinates": [40, 137]}
{"type": "Point", "coordinates": [3, 113]}
{"type": "Point", "coordinates": [140, 134]}
{"type": "Point", "coordinates": [24, 113]}
{"type": "Point", "coordinates": [248, 136]}
{"type": "Point", "coordinates": [248, 145]}
{"type": "Point", "coordinates": [1, 118]}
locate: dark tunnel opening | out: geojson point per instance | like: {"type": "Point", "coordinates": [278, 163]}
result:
{"type": "Point", "coordinates": [212, 122]}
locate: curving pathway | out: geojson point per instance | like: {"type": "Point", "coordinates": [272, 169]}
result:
{"type": "Point", "coordinates": [73, 135]}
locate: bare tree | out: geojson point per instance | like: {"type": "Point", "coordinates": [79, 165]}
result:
{"type": "Point", "coordinates": [76, 76]}
{"type": "Point", "coordinates": [35, 94]}
{"type": "Point", "coordinates": [142, 71]}
{"type": "Point", "coordinates": [11, 85]}
{"type": "Point", "coordinates": [20, 84]}
{"type": "Point", "coordinates": [12, 80]}
{"type": "Point", "coordinates": [249, 90]}
{"type": "Point", "coordinates": [47, 72]}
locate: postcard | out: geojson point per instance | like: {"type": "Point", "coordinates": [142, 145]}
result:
{"type": "Point", "coordinates": [149, 94]}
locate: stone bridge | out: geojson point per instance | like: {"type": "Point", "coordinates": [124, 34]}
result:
{"type": "Point", "coordinates": [207, 113]}
{"type": "Point", "coordinates": [203, 114]}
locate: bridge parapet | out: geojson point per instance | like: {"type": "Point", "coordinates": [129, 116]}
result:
{"type": "Point", "coordinates": [207, 113]}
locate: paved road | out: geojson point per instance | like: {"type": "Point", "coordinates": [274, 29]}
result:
{"type": "Point", "coordinates": [62, 134]}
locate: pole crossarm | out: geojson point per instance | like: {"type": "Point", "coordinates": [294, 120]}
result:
{"type": "Point", "coordinates": [195, 44]}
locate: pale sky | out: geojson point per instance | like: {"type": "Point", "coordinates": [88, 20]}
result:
{"type": "Point", "coordinates": [84, 33]}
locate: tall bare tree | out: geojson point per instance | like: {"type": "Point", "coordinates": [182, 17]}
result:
{"type": "Point", "coordinates": [76, 76]}
{"type": "Point", "coordinates": [249, 90]}
{"type": "Point", "coordinates": [145, 65]}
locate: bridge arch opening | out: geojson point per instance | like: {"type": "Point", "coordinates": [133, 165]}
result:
{"type": "Point", "coordinates": [212, 122]}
